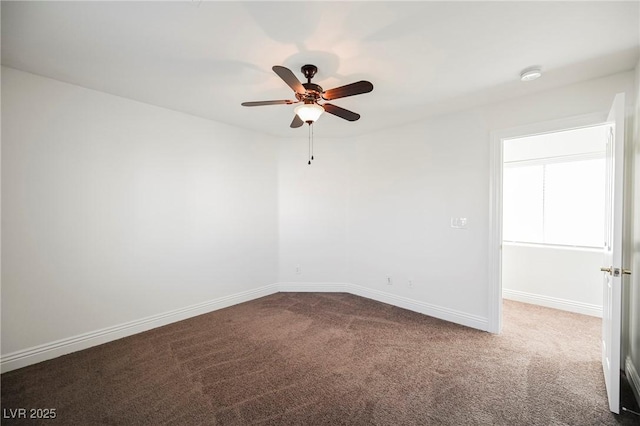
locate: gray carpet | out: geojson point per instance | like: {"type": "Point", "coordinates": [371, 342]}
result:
{"type": "Point", "coordinates": [329, 358]}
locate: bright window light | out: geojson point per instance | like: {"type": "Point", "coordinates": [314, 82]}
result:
{"type": "Point", "coordinates": [559, 203]}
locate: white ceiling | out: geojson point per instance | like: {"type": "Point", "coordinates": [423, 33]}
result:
{"type": "Point", "coordinates": [423, 58]}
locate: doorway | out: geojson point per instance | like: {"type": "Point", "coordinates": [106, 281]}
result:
{"type": "Point", "coordinates": [553, 218]}
{"type": "Point", "coordinates": [613, 241]}
{"type": "Point", "coordinates": [497, 160]}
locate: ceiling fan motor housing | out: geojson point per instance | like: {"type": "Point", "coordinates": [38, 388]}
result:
{"type": "Point", "coordinates": [309, 71]}
{"type": "Point", "coordinates": [313, 92]}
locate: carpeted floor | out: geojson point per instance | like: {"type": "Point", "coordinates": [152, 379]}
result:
{"type": "Point", "coordinates": [329, 358]}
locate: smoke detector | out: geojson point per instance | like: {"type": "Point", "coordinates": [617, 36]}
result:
{"type": "Point", "coordinates": [531, 73]}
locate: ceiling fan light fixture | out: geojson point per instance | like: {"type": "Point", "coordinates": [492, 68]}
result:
{"type": "Point", "coordinates": [309, 113]}
{"type": "Point", "coordinates": [530, 74]}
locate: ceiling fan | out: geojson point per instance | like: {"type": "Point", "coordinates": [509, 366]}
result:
{"type": "Point", "coordinates": [310, 93]}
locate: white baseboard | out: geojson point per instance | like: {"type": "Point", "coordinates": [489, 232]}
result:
{"type": "Point", "coordinates": [553, 302]}
{"type": "Point", "coordinates": [61, 347]}
{"type": "Point", "coordinates": [632, 376]}
{"type": "Point", "coordinates": [447, 314]}
{"type": "Point", "coordinates": [313, 287]}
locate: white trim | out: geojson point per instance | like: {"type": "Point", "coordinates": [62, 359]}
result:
{"type": "Point", "coordinates": [436, 311]}
{"type": "Point", "coordinates": [553, 302]}
{"type": "Point", "coordinates": [495, 233]}
{"type": "Point", "coordinates": [495, 198]}
{"type": "Point", "coordinates": [632, 376]}
{"type": "Point", "coordinates": [447, 314]}
{"type": "Point", "coordinates": [61, 347]}
{"type": "Point", "coordinates": [313, 287]}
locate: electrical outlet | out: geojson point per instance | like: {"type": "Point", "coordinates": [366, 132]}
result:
{"type": "Point", "coordinates": [298, 270]}
{"type": "Point", "coordinates": [389, 282]}
{"type": "Point", "coordinates": [410, 283]}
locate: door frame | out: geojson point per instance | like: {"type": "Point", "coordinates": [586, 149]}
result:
{"type": "Point", "coordinates": [496, 147]}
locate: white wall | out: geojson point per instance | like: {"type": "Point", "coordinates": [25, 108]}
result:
{"type": "Point", "coordinates": [405, 184]}
{"type": "Point", "coordinates": [574, 100]}
{"type": "Point", "coordinates": [557, 277]}
{"type": "Point", "coordinates": [441, 170]}
{"type": "Point", "coordinates": [114, 210]}
{"type": "Point", "coordinates": [313, 203]}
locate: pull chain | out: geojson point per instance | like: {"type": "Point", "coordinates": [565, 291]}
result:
{"type": "Point", "coordinates": [309, 144]}
{"type": "Point", "coordinates": [311, 141]}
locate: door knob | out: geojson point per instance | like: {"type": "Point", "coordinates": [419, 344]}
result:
{"type": "Point", "coordinates": [606, 269]}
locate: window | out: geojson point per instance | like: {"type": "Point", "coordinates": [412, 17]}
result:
{"type": "Point", "coordinates": [556, 201]}
{"type": "Point", "coordinates": [523, 203]}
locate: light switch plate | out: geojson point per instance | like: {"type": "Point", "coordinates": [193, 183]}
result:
{"type": "Point", "coordinates": [459, 222]}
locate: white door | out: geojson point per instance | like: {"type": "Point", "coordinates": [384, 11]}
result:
{"type": "Point", "coordinates": [612, 303]}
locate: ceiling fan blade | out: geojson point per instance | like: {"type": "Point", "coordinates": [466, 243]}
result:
{"type": "Point", "coordinates": [348, 90]}
{"type": "Point", "coordinates": [341, 112]}
{"type": "Point", "coordinates": [261, 103]}
{"type": "Point", "coordinates": [287, 75]}
{"type": "Point", "coordinates": [297, 122]}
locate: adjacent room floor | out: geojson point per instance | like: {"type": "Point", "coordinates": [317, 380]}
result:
{"type": "Point", "coordinates": [330, 358]}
